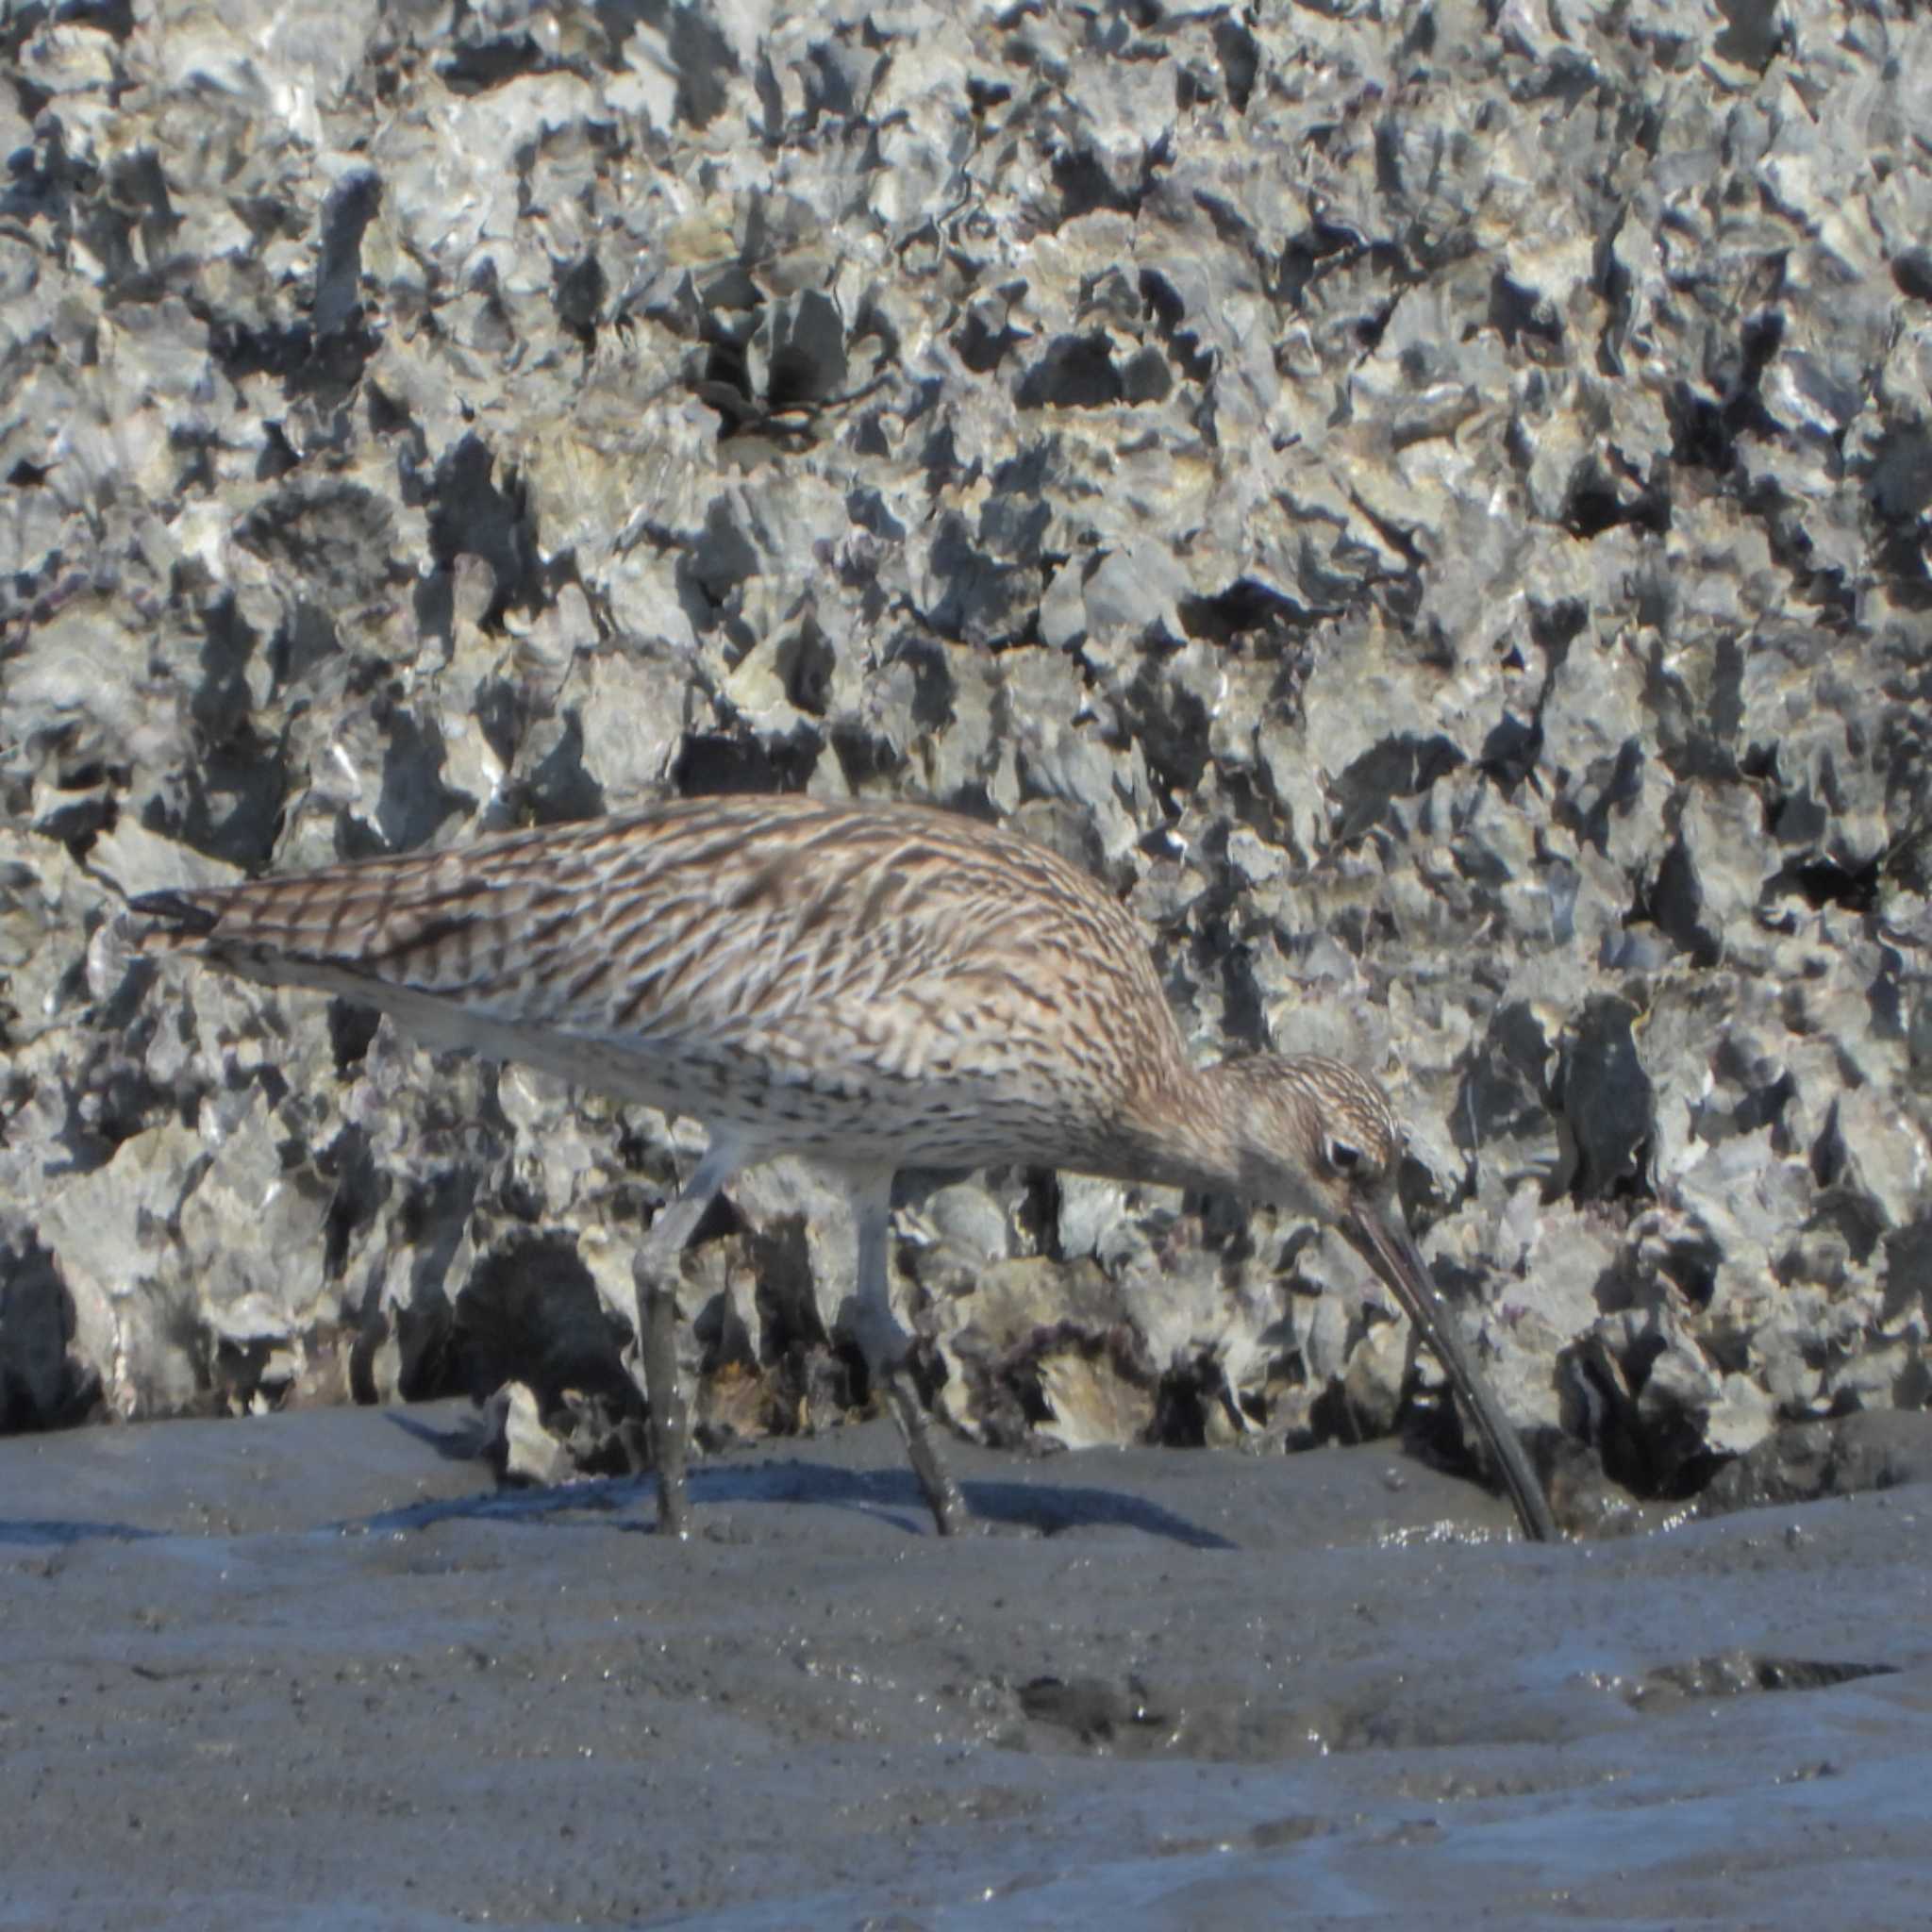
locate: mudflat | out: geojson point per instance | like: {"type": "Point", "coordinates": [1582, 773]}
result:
{"type": "Point", "coordinates": [315, 1669]}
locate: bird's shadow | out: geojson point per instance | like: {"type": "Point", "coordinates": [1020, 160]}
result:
{"type": "Point", "coordinates": [1044, 1508]}
{"type": "Point", "coordinates": [1040, 1506]}
{"type": "Point", "coordinates": [59, 1533]}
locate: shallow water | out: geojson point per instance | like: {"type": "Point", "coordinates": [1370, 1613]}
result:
{"type": "Point", "coordinates": [313, 1668]}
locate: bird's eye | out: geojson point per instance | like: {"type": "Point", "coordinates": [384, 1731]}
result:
{"type": "Point", "coordinates": [1343, 1156]}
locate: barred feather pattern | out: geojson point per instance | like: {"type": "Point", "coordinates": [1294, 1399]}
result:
{"type": "Point", "coordinates": [867, 983]}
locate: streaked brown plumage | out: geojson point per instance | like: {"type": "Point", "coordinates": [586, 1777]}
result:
{"type": "Point", "coordinates": [874, 987]}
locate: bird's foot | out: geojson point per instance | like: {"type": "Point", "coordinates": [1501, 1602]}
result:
{"type": "Point", "coordinates": [669, 1417]}
{"type": "Point", "coordinates": [950, 1515]}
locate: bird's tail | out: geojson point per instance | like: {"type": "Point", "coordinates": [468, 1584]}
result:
{"type": "Point", "coordinates": [183, 914]}
{"type": "Point", "coordinates": [149, 923]}
{"type": "Point", "coordinates": [182, 920]}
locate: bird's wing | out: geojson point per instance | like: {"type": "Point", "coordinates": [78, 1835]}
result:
{"type": "Point", "coordinates": [895, 943]}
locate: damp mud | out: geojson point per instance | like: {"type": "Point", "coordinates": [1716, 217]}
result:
{"type": "Point", "coordinates": [316, 1668]}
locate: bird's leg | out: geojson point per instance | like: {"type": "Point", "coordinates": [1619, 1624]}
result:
{"type": "Point", "coordinates": [886, 1345]}
{"type": "Point", "coordinates": [654, 1271]}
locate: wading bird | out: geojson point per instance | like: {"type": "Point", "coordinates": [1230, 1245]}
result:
{"type": "Point", "coordinates": [870, 987]}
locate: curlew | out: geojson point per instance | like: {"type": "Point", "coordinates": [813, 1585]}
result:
{"type": "Point", "coordinates": [870, 987]}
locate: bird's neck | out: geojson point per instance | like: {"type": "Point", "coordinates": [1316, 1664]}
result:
{"type": "Point", "coordinates": [1185, 1132]}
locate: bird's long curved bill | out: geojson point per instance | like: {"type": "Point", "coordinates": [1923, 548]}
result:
{"type": "Point", "coordinates": [1387, 1244]}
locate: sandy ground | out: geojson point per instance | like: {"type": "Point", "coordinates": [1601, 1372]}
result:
{"type": "Point", "coordinates": [313, 1670]}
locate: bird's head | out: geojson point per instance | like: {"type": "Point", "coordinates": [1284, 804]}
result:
{"type": "Point", "coordinates": [1317, 1137]}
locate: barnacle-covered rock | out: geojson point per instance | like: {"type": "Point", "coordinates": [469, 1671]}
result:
{"type": "Point", "coordinates": [1438, 517]}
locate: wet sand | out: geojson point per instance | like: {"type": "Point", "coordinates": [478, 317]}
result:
{"type": "Point", "coordinates": [313, 1670]}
